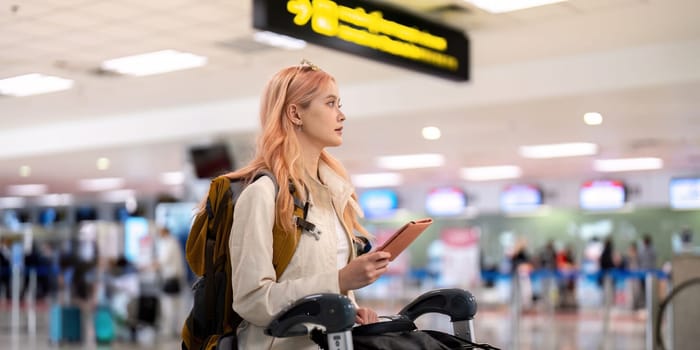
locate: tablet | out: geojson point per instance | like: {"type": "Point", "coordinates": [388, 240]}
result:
{"type": "Point", "coordinates": [404, 236]}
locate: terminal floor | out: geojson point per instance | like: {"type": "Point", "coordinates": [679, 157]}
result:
{"type": "Point", "coordinates": [537, 331]}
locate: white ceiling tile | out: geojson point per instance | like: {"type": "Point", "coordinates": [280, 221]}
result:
{"type": "Point", "coordinates": [26, 10]}
{"type": "Point", "coordinates": [204, 12]}
{"type": "Point", "coordinates": [36, 53]}
{"type": "Point", "coordinates": [123, 31]}
{"type": "Point", "coordinates": [88, 38]}
{"type": "Point", "coordinates": [213, 33]}
{"type": "Point", "coordinates": [593, 5]}
{"type": "Point", "coordinates": [558, 10]}
{"type": "Point", "coordinates": [122, 49]}
{"type": "Point", "coordinates": [34, 28]}
{"type": "Point", "coordinates": [9, 36]}
{"type": "Point", "coordinates": [167, 5]}
{"type": "Point", "coordinates": [18, 61]}
{"type": "Point", "coordinates": [6, 16]}
{"type": "Point", "coordinates": [177, 42]}
{"type": "Point", "coordinates": [241, 6]}
{"type": "Point", "coordinates": [160, 22]}
{"type": "Point", "coordinates": [70, 19]}
{"type": "Point", "coordinates": [111, 10]}
{"type": "Point", "coordinates": [492, 23]}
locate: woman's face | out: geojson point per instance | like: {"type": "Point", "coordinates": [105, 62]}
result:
{"type": "Point", "coordinates": [322, 120]}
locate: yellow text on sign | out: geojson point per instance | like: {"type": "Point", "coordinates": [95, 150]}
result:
{"type": "Point", "coordinates": [326, 17]}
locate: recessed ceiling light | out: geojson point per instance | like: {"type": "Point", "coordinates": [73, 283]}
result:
{"type": "Point", "coordinates": [27, 190]}
{"type": "Point", "coordinates": [411, 161]}
{"type": "Point", "coordinates": [377, 180]}
{"type": "Point", "coordinates": [628, 164]}
{"type": "Point", "coordinates": [33, 84]}
{"type": "Point", "coordinates": [500, 6]}
{"type": "Point", "coordinates": [498, 172]}
{"type": "Point", "coordinates": [279, 40]}
{"type": "Point", "coordinates": [558, 150]}
{"type": "Point", "coordinates": [158, 62]}
{"type": "Point", "coordinates": [431, 133]}
{"type": "Point", "coordinates": [25, 171]}
{"type": "Point", "coordinates": [593, 118]}
{"type": "Point", "coordinates": [102, 163]}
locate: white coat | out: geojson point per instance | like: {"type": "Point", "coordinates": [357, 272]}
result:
{"type": "Point", "coordinates": [257, 294]}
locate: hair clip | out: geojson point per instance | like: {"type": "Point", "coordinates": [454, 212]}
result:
{"type": "Point", "coordinates": [307, 64]}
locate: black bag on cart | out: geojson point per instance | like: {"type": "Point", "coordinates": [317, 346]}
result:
{"type": "Point", "coordinates": [328, 320]}
{"type": "Point", "coordinates": [398, 333]}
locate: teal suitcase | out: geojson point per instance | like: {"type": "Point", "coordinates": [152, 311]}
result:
{"type": "Point", "coordinates": [104, 324]}
{"type": "Point", "coordinates": [65, 324]}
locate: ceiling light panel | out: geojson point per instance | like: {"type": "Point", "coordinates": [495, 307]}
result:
{"type": "Point", "coordinates": [102, 163]}
{"type": "Point", "coordinates": [279, 40]}
{"type": "Point", "coordinates": [593, 118]}
{"type": "Point", "coordinates": [431, 133]}
{"type": "Point", "coordinates": [377, 180]}
{"type": "Point", "coordinates": [33, 84]}
{"type": "Point", "coordinates": [499, 172]}
{"type": "Point", "coordinates": [501, 6]}
{"type": "Point", "coordinates": [158, 62]}
{"type": "Point", "coordinates": [25, 171]}
{"type": "Point", "coordinates": [411, 161]}
{"type": "Point", "coordinates": [628, 164]}
{"type": "Point", "coordinates": [559, 150]}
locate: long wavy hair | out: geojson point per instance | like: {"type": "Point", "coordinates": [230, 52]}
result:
{"type": "Point", "coordinates": [278, 149]}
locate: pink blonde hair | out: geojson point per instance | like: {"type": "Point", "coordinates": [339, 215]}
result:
{"type": "Point", "coordinates": [278, 148]}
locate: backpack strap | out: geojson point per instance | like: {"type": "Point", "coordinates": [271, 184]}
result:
{"type": "Point", "coordinates": [301, 210]}
{"type": "Point", "coordinates": [215, 220]}
{"type": "Point", "coordinates": [283, 244]}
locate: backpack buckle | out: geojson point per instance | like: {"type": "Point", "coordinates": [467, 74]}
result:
{"type": "Point", "coordinates": [308, 227]}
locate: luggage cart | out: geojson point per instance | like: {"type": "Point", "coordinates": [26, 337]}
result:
{"type": "Point", "coordinates": [333, 315]}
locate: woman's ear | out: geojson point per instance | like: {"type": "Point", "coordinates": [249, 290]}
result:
{"type": "Point", "coordinates": [293, 114]}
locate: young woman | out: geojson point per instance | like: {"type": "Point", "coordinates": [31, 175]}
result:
{"type": "Point", "coordinates": [300, 116]}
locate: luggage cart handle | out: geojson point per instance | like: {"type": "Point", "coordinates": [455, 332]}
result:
{"type": "Point", "coordinates": [457, 303]}
{"type": "Point", "coordinates": [334, 312]}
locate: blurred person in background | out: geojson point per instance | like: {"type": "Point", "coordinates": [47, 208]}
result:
{"type": "Point", "coordinates": [39, 260]}
{"type": "Point", "coordinates": [548, 263]}
{"type": "Point", "coordinates": [5, 268]}
{"type": "Point", "coordinates": [647, 258]}
{"type": "Point", "coordinates": [607, 260]}
{"type": "Point", "coordinates": [566, 268]}
{"type": "Point", "coordinates": [522, 267]}
{"type": "Point", "coordinates": [631, 265]}
{"type": "Point", "coordinates": [548, 257]}
{"type": "Point", "coordinates": [79, 265]}
{"type": "Point", "coordinates": [170, 265]}
{"type": "Point", "coordinates": [520, 259]}
{"type": "Point", "coordinates": [687, 235]}
{"type": "Point", "coordinates": [647, 255]}
{"type": "Point", "coordinates": [122, 289]}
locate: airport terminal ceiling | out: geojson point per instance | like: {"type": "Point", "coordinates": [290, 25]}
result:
{"type": "Point", "coordinates": [534, 74]}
